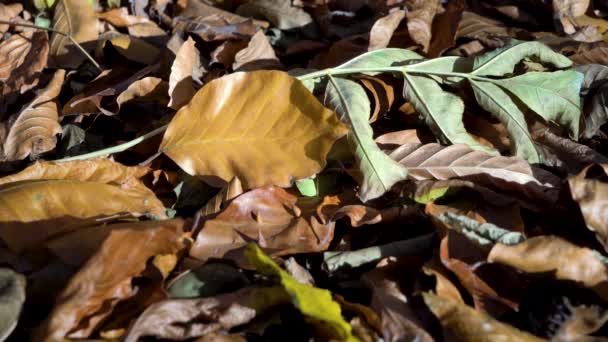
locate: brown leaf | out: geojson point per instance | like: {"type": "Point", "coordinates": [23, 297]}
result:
{"type": "Point", "coordinates": [591, 195]}
{"type": "Point", "coordinates": [554, 255]}
{"type": "Point", "coordinates": [384, 90]}
{"type": "Point", "coordinates": [120, 17]}
{"type": "Point", "coordinates": [381, 32]}
{"type": "Point", "coordinates": [572, 156]}
{"type": "Point", "coordinates": [582, 323]}
{"type": "Point", "coordinates": [420, 16]}
{"type": "Point", "coordinates": [131, 48]}
{"type": "Point", "coordinates": [567, 10]}
{"type": "Point", "coordinates": [19, 65]}
{"type": "Point", "coordinates": [180, 319]}
{"type": "Point", "coordinates": [444, 27]}
{"type": "Point", "coordinates": [398, 138]}
{"type": "Point", "coordinates": [462, 323]}
{"type": "Point", "coordinates": [32, 131]}
{"type": "Point", "coordinates": [185, 69]}
{"type": "Point", "coordinates": [399, 322]}
{"type": "Point", "coordinates": [79, 21]}
{"type": "Point", "coordinates": [95, 290]}
{"type": "Point", "coordinates": [486, 30]}
{"type": "Point", "coordinates": [258, 54]}
{"type": "Point", "coordinates": [47, 199]}
{"type": "Point", "coordinates": [270, 216]}
{"type": "Point", "coordinates": [433, 161]}
{"type": "Point", "coordinates": [443, 286]}
{"type": "Point", "coordinates": [149, 89]}
{"type": "Point", "coordinates": [217, 27]}
{"type": "Point", "coordinates": [7, 13]}
{"type": "Point", "coordinates": [283, 131]}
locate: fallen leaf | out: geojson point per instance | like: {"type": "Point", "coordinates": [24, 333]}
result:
{"type": "Point", "coordinates": [148, 89]}
{"type": "Point", "coordinates": [52, 198]}
{"type": "Point", "coordinates": [19, 66]}
{"type": "Point", "coordinates": [217, 27]}
{"type": "Point", "coordinates": [279, 12]}
{"type": "Point", "coordinates": [590, 194]}
{"type": "Point", "coordinates": [12, 297]}
{"type": "Point", "coordinates": [7, 13]}
{"type": "Point", "coordinates": [462, 323]}
{"type": "Point", "coordinates": [132, 48]}
{"type": "Point", "coordinates": [595, 90]}
{"type": "Point", "coordinates": [79, 21]}
{"type": "Point", "coordinates": [188, 318]}
{"type": "Point", "coordinates": [554, 255]}
{"type": "Point", "coordinates": [567, 10]}
{"type": "Point", "coordinates": [128, 244]}
{"type": "Point", "coordinates": [290, 142]}
{"type": "Point", "coordinates": [258, 54]}
{"type": "Point", "coordinates": [381, 32]}
{"type": "Point", "coordinates": [270, 216]}
{"type": "Point", "coordinates": [33, 129]}
{"type": "Point", "coordinates": [315, 304]}
{"type": "Point", "coordinates": [185, 69]}
{"type": "Point", "coordinates": [420, 16]}
{"type": "Point", "coordinates": [120, 17]}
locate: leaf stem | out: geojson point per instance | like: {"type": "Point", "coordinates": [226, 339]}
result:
{"type": "Point", "coordinates": [118, 148]}
{"type": "Point", "coordinates": [84, 52]}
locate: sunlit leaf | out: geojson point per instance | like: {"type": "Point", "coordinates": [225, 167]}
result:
{"type": "Point", "coordinates": [77, 19]}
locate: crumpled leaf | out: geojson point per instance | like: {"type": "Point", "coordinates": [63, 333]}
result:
{"type": "Point", "coordinates": [590, 194]}
{"type": "Point", "coordinates": [77, 19]}
{"type": "Point", "coordinates": [12, 297]}
{"type": "Point", "coordinates": [33, 129]}
{"type": "Point", "coordinates": [48, 198]}
{"type": "Point", "coordinates": [433, 161]}
{"type": "Point", "coordinates": [463, 323]}
{"type": "Point", "coordinates": [352, 105]}
{"type": "Point", "coordinates": [315, 304]}
{"type": "Point", "coordinates": [284, 133]}
{"type": "Point", "coordinates": [19, 65]}
{"type": "Point", "coordinates": [271, 216]}
{"type": "Point", "coordinates": [185, 70]}
{"type": "Point", "coordinates": [559, 257]}
{"type": "Point", "coordinates": [129, 245]}
{"type": "Point", "coordinates": [181, 319]}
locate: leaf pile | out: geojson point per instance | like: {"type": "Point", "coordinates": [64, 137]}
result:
{"type": "Point", "coordinates": [275, 170]}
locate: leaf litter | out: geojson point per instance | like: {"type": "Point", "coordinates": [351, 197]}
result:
{"type": "Point", "coordinates": [271, 170]}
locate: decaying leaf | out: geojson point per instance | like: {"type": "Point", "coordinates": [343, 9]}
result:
{"type": "Point", "coordinates": [32, 131]}
{"type": "Point", "coordinates": [99, 283]}
{"type": "Point", "coordinates": [19, 65]}
{"type": "Point", "coordinates": [283, 132]}
{"type": "Point", "coordinates": [77, 19]}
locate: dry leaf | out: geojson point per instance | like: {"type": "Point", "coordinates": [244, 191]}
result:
{"type": "Point", "coordinates": [150, 89]}
{"type": "Point", "coordinates": [462, 323]}
{"type": "Point", "coordinates": [19, 65]}
{"type": "Point", "coordinates": [283, 132]}
{"type": "Point", "coordinates": [420, 16]}
{"type": "Point", "coordinates": [77, 19]}
{"type": "Point", "coordinates": [381, 32]}
{"type": "Point", "coordinates": [52, 198]}
{"type": "Point", "coordinates": [7, 13]}
{"type": "Point", "coordinates": [591, 197]}
{"type": "Point", "coordinates": [120, 17]}
{"type": "Point", "coordinates": [258, 54]}
{"type": "Point", "coordinates": [185, 69]}
{"type": "Point", "coordinates": [567, 10]}
{"type": "Point", "coordinates": [554, 255]}
{"type": "Point", "coordinates": [132, 48]}
{"type": "Point", "coordinates": [32, 131]}
{"type": "Point", "coordinates": [100, 283]}
{"type": "Point", "coordinates": [270, 216]}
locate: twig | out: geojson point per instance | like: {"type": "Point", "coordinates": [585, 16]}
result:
{"type": "Point", "coordinates": [117, 148]}
{"type": "Point", "coordinates": [84, 52]}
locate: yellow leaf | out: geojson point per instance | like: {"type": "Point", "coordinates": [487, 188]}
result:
{"type": "Point", "coordinates": [76, 18]}
{"type": "Point", "coordinates": [263, 127]}
{"type": "Point", "coordinates": [316, 304]}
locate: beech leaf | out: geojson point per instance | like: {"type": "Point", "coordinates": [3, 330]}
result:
{"type": "Point", "coordinates": [76, 18]}
{"type": "Point", "coordinates": [348, 99]}
{"type": "Point", "coordinates": [185, 69]}
{"type": "Point", "coordinates": [19, 65]}
{"type": "Point", "coordinates": [12, 297]}
{"type": "Point", "coordinates": [283, 132]}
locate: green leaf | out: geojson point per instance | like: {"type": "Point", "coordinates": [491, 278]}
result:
{"type": "Point", "coordinates": [307, 187]}
{"type": "Point", "coordinates": [554, 96]}
{"type": "Point", "coordinates": [349, 100]}
{"type": "Point", "coordinates": [503, 61]}
{"type": "Point", "coordinates": [317, 305]}
{"type": "Point", "coordinates": [484, 234]}
{"type": "Point", "coordinates": [43, 5]}
{"type": "Point", "coordinates": [496, 101]}
{"type": "Point", "coordinates": [12, 297]}
{"type": "Point", "coordinates": [442, 111]}
{"type": "Point", "coordinates": [380, 58]}
{"type": "Point", "coordinates": [445, 64]}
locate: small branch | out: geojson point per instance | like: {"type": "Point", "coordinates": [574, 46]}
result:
{"type": "Point", "coordinates": [84, 52]}
{"type": "Point", "coordinates": [118, 148]}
